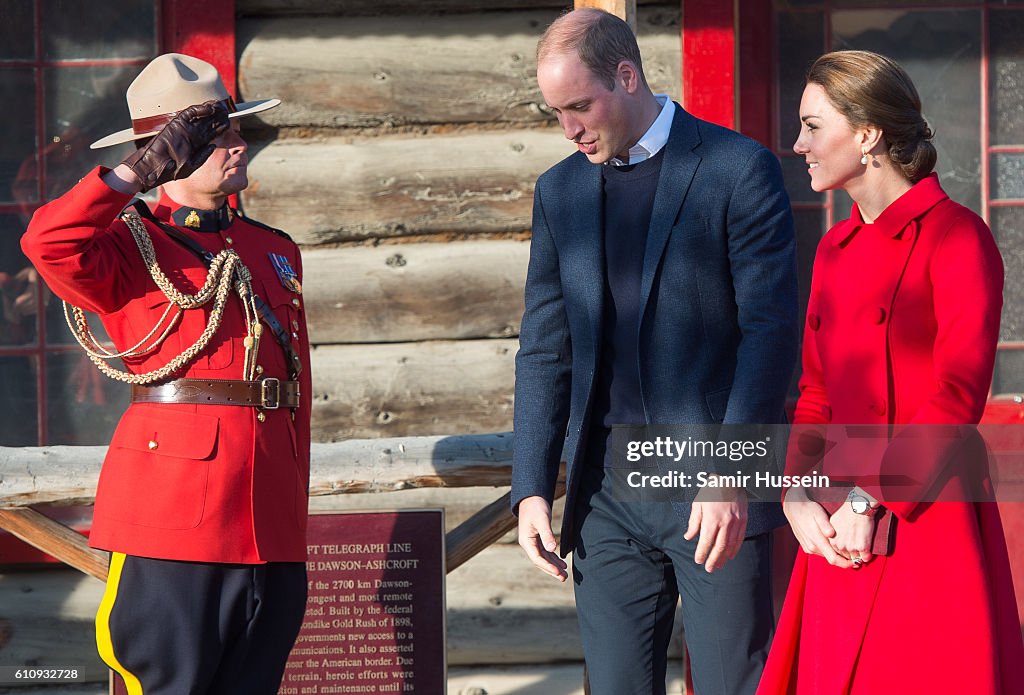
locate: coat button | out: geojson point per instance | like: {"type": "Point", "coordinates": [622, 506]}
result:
{"type": "Point", "coordinates": [295, 303]}
{"type": "Point", "coordinates": [261, 417]}
{"type": "Point", "coordinates": [879, 317]}
{"type": "Point", "coordinates": [813, 321]}
{"type": "Point", "coordinates": [153, 445]}
{"type": "Point", "coordinates": [295, 325]}
{"type": "Point", "coordinates": [878, 407]}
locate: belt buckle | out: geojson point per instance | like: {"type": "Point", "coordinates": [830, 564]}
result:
{"type": "Point", "coordinates": [270, 393]}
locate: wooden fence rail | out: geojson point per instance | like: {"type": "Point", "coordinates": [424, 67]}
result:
{"type": "Point", "coordinates": [68, 475]}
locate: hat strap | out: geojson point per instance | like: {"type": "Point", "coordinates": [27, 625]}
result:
{"type": "Point", "coordinates": [142, 126]}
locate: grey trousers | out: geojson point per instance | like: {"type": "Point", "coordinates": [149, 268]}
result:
{"type": "Point", "coordinates": [631, 564]}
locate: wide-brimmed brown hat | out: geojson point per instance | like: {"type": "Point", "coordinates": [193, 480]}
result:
{"type": "Point", "coordinates": [169, 84]}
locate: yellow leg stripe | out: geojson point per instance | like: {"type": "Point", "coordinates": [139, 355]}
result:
{"type": "Point", "coordinates": [104, 643]}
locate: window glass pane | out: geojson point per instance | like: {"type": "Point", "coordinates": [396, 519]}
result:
{"type": "Point", "coordinates": [83, 406]}
{"type": "Point", "coordinates": [801, 37]}
{"type": "Point", "coordinates": [810, 226]}
{"type": "Point", "coordinates": [1006, 77]}
{"type": "Point", "coordinates": [18, 402]}
{"type": "Point", "coordinates": [1007, 176]}
{"type": "Point", "coordinates": [76, 30]}
{"type": "Point", "coordinates": [17, 31]}
{"type": "Point", "coordinates": [18, 178]}
{"type": "Point", "coordinates": [1009, 374]}
{"type": "Point", "coordinates": [798, 182]}
{"type": "Point", "coordinates": [83, 104]}
{"type": "Point", "coordinates": [1008, 227]}
{"type": "Point", "coordinates": [19, 287]}
{"type": "Point", "coordinates": [941, 50]}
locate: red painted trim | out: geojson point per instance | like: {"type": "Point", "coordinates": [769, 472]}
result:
{"type": "Point", "coordinates": [205, 30]}
{"type": "Point", "coordinates": [756, 72]}
{"type": "Point", "coordinates": [709, 60]}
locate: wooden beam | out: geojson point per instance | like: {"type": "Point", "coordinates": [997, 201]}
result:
{"type": "Point", "coordinates": [485, 527]}
{"type": "Point", "coordinates": [623, 9]}
{"type": "Point", "coordinates": [54, 538]}
{"type": "Point", "coordinates": [68, 475]}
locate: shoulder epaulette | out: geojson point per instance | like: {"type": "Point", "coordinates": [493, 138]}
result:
{"type": "Point", "coordinates": [267, 227]}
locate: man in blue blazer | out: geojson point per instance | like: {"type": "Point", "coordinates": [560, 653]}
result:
{"type": "Point", "coordinates": [661, 290]}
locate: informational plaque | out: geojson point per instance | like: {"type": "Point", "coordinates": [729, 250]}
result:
{"type": "Point", "coordinates": [375, 616]}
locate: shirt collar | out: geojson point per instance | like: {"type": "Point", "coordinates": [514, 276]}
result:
{"type": "Point", "coordinates": [193, 218]}
{"type": "Point", "coordinates": [655, 138]}
{"type": "Point", "coordinates": [922, 197]}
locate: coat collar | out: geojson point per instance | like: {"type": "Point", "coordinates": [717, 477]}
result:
{"type": "Point", "coordinates": [193, 218]}
{"type": "Point", "coordinates": [922, 197]}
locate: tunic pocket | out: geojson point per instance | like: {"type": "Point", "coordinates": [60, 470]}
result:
{"type": "Point", "coordinates": [158, 466]}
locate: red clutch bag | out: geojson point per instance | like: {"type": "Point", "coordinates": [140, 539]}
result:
{"type": "Point", "coordinates": [833, 497]}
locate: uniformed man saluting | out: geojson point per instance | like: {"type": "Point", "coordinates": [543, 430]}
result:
{"type": "Point", "coordinates": [202, 499]}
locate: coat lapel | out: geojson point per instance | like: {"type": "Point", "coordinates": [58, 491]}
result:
{"type": "Point", "coordinates": [677, 172]}
{"type": "Point", "coordinates": [587, 223]}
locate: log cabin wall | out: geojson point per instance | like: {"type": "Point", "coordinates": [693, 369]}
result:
{"type": "Point", "coordinates": [403, 161]}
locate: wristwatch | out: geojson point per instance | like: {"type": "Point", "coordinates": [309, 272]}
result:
{"type": "Point", "coordinates": [860, 504]}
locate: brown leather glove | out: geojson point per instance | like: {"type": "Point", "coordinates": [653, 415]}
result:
{"type": "Point", "coordinates": [181, 147]}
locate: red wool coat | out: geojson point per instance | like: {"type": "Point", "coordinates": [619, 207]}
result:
{"type": "Point", "coordinates": [901, 329]}
{"type": "Point", "coordinates": [220, 486]}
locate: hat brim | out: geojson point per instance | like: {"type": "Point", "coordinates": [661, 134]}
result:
{"type": "Point", "coordinates": [127, 135]}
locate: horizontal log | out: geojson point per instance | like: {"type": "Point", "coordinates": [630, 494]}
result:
{"type": "Point", "coordinates": [247, 8]}
{"type": "Point", "coordinates": [412, 292]}
{"type": "Point", "coordinates": [413, 388]}
{"type": "Point", "coordinates": [68, 474]}
{"type": "Point", "coordinates": [462, 386]}
{"type": "Point", "coordinates": [537, 679]}
{"type": "Point", "coordinates": [503, 610]}
{"type": "Point", "coordinates": [340, 189]}
{"type": "Point", "coordinates": [334, 72]}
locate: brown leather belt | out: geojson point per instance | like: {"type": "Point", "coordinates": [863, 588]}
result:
{"type": "Point", "coordinates": [268, 393]}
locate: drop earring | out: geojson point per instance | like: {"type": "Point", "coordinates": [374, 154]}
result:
{"type": "Point", "coordinates": [863, 157]}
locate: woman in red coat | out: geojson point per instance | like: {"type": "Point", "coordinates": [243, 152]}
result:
{"type": "Point", "coordinates": [901, 331]}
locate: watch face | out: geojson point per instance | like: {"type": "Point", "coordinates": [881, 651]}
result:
{"type": "Point", "coordinates": [859, 504]}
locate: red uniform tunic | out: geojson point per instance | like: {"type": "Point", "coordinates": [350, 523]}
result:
{"type": "Point", "coordinates": [901, 329]}
{"type": "Point", "coordinates": [185, 482]}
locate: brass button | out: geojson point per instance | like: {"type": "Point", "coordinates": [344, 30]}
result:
{"type": "Point", "coordinates": [261, 417]}
{"type": "Point", "coordinates": [295, 324]}
{"type": "Point", "coordinates": [295, 303]}
{"type": "Point", "coordinates": [228, 240]}
{"type": "Point", "coordinates": [295, 336]}
{"type": "Point", "coordinates": [153, 445]}
{"type": "Point", "coordinates": [259, 369]}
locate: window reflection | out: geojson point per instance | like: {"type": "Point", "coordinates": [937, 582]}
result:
{"type": "Point", "coordinates": [82, 405]}
{"type": "Point", "coordinates": [77, 30]}
{"type": "Point", "coordinates": [17, 37]}
{"type": "Point", "coordinates": [941, 50]}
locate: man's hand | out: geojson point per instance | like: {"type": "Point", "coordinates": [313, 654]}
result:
{"type": "Point", "coordinates": [720, 516]}
{"type": "Point", "coordinates": [181, 147]}
{"type": "Point", "coordinates": [536, 538]}
{"type": "Point", "coordinates": [810, 524]}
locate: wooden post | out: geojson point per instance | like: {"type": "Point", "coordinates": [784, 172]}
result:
{"type": "Point", "coordinates": [624, 9]}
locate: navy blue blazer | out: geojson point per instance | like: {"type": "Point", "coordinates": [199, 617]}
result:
{"type": "Point", "coordinates": [718, 332]}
